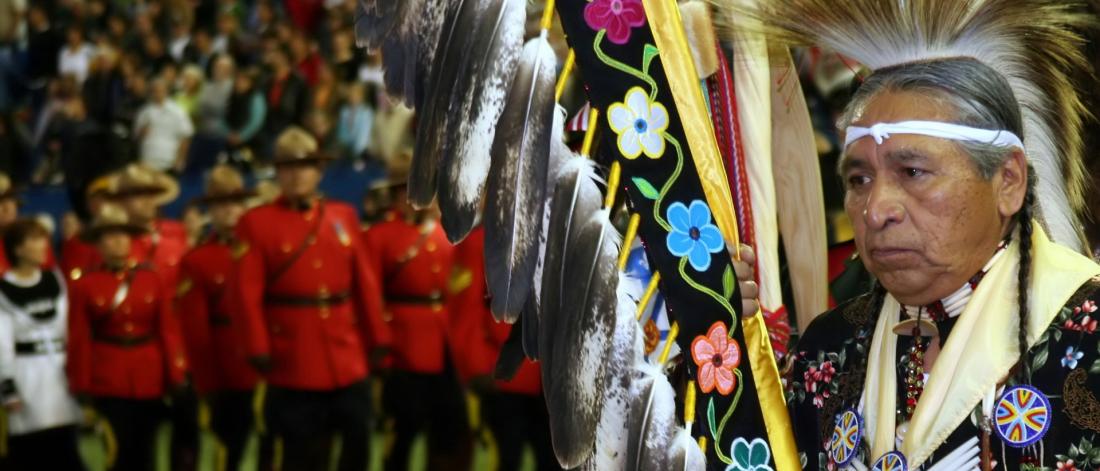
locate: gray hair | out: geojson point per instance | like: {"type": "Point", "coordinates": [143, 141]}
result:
{"type": "Point", "coordinates": [981, 96]}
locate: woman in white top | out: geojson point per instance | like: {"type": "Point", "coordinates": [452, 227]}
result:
{"type": "Point", "coordinates": [41, 413]}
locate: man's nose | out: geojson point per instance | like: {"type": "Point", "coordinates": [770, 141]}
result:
{"type": "Point", "coordinates": [884, 205]}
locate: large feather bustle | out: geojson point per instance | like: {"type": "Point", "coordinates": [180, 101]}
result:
{"type": "Point", "coordinates": [374, 19]}
{"type": "Point", "coordinates": [652, 422]}
{"type": "Point", "coordinates": [1035, 44]}
{"type": "Point", "coordinates": [477, 101]}
{"type": "Point", "coordinates": [532, 311]}
{"type": "Point", "coordinates": [574, 199]}
{"type": "Point", "coordinates": [582, 365]}
{"type": "Point", "coordinates": [573, 342]}
{"type": "Point", "coordinates": [451, 63]}
{"type": "Point", "coordinates": [627, 349]}
{"type": "Point", "coordinates": [517, 180]}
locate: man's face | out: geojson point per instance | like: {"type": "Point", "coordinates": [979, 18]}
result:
{"type": "Point", "coordinates": [114, 246]}
{"type": "Point", "coordinates": [142, 209]}
{"type": "Point", "coordinates": [9, 210]}
{"type": "Point", "coordinates": [925, 219]}
{"type": "Point", "coordinates": [224, 216]}
{"type": "Point", "coordinates": [298, 180]}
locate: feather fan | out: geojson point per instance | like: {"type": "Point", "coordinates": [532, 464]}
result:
{"type": "Point", "coordinates": [1034, 44]}
{"type": "Point", "coordinates": [477, 101]}
{"type": "Point", "coordinates": [517, 180]}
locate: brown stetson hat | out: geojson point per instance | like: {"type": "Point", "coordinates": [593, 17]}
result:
{"type": "Point", "coordinates": [140, 180]}
{"type": "Point", "coordinates": [224, 184]}
{"type": "Point", "coordinates": [295, 146]}
{"type": "Point", "coordinates": [110, 218]}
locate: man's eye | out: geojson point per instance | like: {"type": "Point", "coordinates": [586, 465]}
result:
{"type": "Point", "coordinates": [856, 181]}
{"type": "Point", "coordinates": [914, 172]}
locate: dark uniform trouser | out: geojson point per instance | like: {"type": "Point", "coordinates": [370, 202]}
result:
{"type": "Point", "coordinates": [232, 421]}
{"type": "Point", "coordinates": [307, 420]}
{"type": "Point", "coordinates": [52, 449]}
{"type": "Point", "coordinates": [185, 431]}
{"type": "Point", "coordinates": [516, 419]}
{"type": "Point", "coordinates": [134, 423]}
{"type": "Point", "coordinates": [433, 401]}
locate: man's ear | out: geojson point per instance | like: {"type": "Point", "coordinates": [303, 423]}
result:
{"type": "Point", "coordinates": [1012, 184]}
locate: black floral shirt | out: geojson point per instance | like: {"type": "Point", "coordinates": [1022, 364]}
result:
{"type": "Point", "coordinates": [825, 376]}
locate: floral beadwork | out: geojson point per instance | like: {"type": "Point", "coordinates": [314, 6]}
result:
{"type": "Point", "coordinates": [754, 456]}
{"type": "Point", "coordinates": [1071, 357]}
{"type": "Point", "coordinates": [1081, 320]}
{"type": "Point", "coordinates": [639, 122]}
{"type": "Point", "coordinates": [617, 17]}
{"type": "Point", "coordinates": [717, 356]}
{"type": "Point", "coordinates": [693, 234]}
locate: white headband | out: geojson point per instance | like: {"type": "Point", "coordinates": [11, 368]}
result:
{"type": "Point", "coordinates": [955, 132]}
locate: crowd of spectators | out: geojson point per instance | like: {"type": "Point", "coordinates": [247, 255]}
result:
{"type": "Point", "coordinates": [87, 86]}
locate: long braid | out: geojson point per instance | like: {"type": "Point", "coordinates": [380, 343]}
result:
{"type": "Point", "coordinates": [1024, 278]}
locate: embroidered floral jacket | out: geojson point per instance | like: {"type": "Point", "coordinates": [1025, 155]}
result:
{"type": "Point", "coordinates": [826, 371]}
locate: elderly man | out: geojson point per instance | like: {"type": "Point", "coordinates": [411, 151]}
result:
{"type": "Point", "coordinates": [979, 344]}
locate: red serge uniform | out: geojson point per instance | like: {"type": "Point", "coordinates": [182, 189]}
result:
{"type": "Point", "coordinates": [478, 336]}
{"type": "Point", "coordinates": [414, 262]}
{"type": "Point", "coordinates": [309, 300]}
{"type": "Point", "coordinates": [162, 249]}
{"type": "Point", "coordinates": [210, 331]}
{"type": "Point", "coordinates": [78, 255]}
{"type": "Point", "coordinates": [129, 349]}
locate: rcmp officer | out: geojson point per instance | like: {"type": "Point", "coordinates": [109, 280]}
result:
{"type": "Point", "coordinates": [513, 410]}
{"type": "Point", "coordinates": [141, 191]}
{"type": "Point", "coordinates": [413, 260]}
{"type": "Point", "coordinates": [211, 322]}
{"type": "Point", "coordinates": [312, 311]}
{"type": "Point", "coordinates": [124, 350]}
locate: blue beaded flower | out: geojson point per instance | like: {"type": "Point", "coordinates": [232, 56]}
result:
{"type": "Point", "coordinates": [692, 234]}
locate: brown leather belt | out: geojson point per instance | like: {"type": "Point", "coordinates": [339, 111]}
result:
{"type": "Point", "coordinates": [220, 320]}
{"type": "Point", "coordinates": [428, 300]}
{"type": "Point", "coordinates": [133, 341]}
{"type": "Point", "coordinates": [307, 301]}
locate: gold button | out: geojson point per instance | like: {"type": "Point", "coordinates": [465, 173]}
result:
{"type": "Point", "coordinates": [317, 263]}
{"type": "Point", "coordinates": [430, 247]}
{"type": "Point", "coordinates": [387, 316]}
{"type": "Point", "coordinates": [180, 363]}
{"type": "Point", "coordinates": [436, 307]}
{"type": "Point", "coordinates": [128, 327]}
{"type": "Point", "coordinates": [126, 310]}
{"type": "Point", "coordinates": [100, 302]}
{"type": "Point", "coordinates": [75, 274]}
{"type": "Point", "coordinates": [323, 290]}
{"type": "Point", "coordinates": [436, 269]}
{"type": "Point", "coordinates": [286, 247]}
{"type": "Point", "coordinates": [324, 312]}
{"type": "Point", "coordinates": [219, 279]}
{"type": "Point", "coordinates": [149, 299]}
